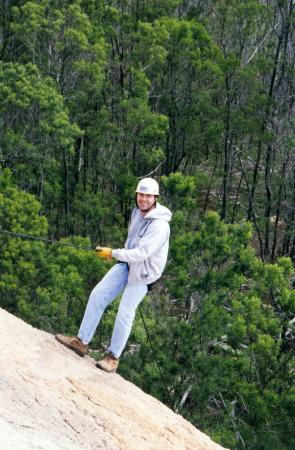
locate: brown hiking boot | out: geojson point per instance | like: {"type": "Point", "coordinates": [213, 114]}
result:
{"type": "Point", "coordinates": [74, 343]}
{"type": "Point", "coordinates": [109, 363]}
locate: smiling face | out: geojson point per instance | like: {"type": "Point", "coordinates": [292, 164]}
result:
{"type": "Point", "coordinates": [145, 202]}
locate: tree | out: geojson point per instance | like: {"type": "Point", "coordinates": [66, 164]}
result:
{"type": "Point", "coordinates": [32, 147]}
{"type": "Point", "coordinates": [20, 259]}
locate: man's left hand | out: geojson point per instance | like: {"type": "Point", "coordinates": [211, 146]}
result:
{"type": "Point", "coordinates": [104, 252]}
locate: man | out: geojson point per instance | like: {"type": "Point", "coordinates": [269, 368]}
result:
{"type": "Point", "coordinates": [140, 264]}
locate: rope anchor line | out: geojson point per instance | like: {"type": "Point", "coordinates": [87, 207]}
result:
{"type": "Point", "coordinates": [47, 241]}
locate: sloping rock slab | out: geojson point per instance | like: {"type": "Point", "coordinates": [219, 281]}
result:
{"type": "Point", "coordinates": [51, 399]}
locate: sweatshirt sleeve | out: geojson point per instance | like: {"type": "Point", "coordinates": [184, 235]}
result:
{"type": "Point", "coordinates": [156, 235]}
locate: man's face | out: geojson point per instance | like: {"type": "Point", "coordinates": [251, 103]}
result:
{"type": "Point", "coordinates": [145, 202]}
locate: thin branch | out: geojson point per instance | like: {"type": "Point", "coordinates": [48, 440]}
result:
{"type": "Point", "coordinates": [260, 45]}
{"type": "Point", "coordinates": [152, 172]}
{"type": "Point", "coordinates": [184, 398]}
{"type": "Point", "coordinates": [238, 151]}
{"type": "Point", "coordinates": [231, 416]}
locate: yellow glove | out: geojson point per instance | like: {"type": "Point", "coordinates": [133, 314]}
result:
{"type": "Point", "coordinates": [104, 252]}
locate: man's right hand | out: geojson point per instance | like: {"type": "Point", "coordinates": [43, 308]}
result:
{"type": "Point", "coordinates": [104, 252]}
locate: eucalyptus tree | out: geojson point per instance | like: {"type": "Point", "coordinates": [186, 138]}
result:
{"type": "Point", "coordinates": [252, 159]}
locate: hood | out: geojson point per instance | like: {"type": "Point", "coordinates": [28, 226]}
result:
{"type": "Point", "coordinates": [160, 212]}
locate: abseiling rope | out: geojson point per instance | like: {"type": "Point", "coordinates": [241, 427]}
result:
{"type": "Point", "coordinates": [47, 241]}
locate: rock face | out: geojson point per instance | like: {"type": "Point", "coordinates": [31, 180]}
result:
{"type": "Point", "coordinates": [52, 399]}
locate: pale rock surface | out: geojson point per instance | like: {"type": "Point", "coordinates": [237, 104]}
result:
{"type": "Point", "coordinates": [51, 399]}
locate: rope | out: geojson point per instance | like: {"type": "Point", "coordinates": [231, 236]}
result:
{"type": "Point", "coordinates": [155, 358]}
{"type": "Point", "coordinates": [47, 241]}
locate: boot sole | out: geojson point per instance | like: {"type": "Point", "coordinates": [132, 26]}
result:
{"type": "Point", "coordinates": [107, 371]}
{"type": "Point", "coordinates": [78, 352]}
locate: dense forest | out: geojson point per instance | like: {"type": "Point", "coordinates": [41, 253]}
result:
{"type": "Point", "coordinates": [201, 96]}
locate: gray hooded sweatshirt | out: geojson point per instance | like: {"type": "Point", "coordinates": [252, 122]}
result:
{"type": "Point", "coordinates": [146, 247]}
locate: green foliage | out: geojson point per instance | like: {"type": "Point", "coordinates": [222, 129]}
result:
{"type": "Point", "coordinates": [19, 259]}
{"type": "Point", "coordinates": [46, 285]}
{"type": "Point", "coordinates": [223, 338]}
{"type": "Point", "coordinates": [95, 95]}
{"type": "Point", "coordinates": [61, 294]}
{"type": "Point", "coordinates": [32, 149]}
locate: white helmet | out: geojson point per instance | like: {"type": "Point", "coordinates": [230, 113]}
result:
{"type": "Point", "coordinates": [148, 186]}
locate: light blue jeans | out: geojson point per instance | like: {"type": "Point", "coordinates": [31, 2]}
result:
{"type": "Point", "coordinates": [111, 285]}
